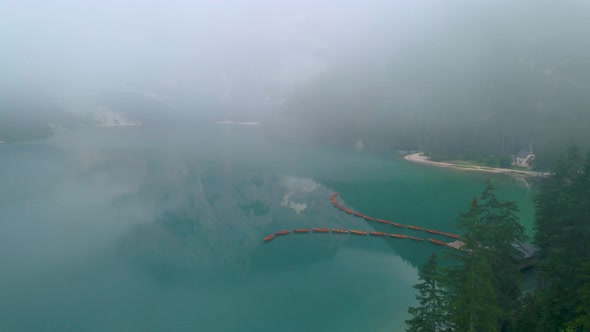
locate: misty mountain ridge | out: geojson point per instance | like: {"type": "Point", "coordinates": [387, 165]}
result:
{"type": "Point", "coordinates": [481, 81]}
{"type": "Point", "coordinates": [458, 80]}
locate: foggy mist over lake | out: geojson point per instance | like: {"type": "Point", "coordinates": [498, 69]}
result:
{"type": "Point", "coordinates": [397, 73]}
{"type": "Point", "coordinates": [147, 147]}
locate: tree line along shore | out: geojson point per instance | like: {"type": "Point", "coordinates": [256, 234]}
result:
{"type": "Point", "coordinates": [479, 288]}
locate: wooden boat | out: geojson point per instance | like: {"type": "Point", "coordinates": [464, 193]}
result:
{"type": "Point", "coordinates": [339, 231]}
{"type": "Point", "coordinates": [283, 232]}
{"type": "Point", "coordinates": [432, 231]}
{"type": "Point", "coordinates": [377, 234]}
{"type": "Point", "coordinates": [454, 236]}
{"type": "Point", "coordinates": [301, 230]}
{"type": "Point", "coordinates": [396, 224]}
{"type": "Point", "coordinates": [341, 207]}
{"type": "Point", "coordinates": [399, 236]}
{"type": "Point", "coordinates": [440, 243]}
{"type": "Point", "coordinates": [268, 238]}
{"type": "Point", "coordinates": [416, 228]}
{"type": "Point", "coordinates": [349, 211]}
{"type": "Point", "coordinates": [321, 230]}
{"type": "Point", "coordinates": [357, 232]}
{"type": "Point", "coordinates": [368, 218]}
{"type": "Point", "coordinates": [383, 221]}
{"type": "Point", "coordinates": [415, 238]}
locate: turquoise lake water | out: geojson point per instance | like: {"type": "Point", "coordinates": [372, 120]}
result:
{"type": "Point", "coordinates": [145, 229]}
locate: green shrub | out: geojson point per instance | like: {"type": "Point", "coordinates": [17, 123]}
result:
{"type": "Point", "coordinates": [505, 161]}
{"type": "Point", "coordinates": [492, 160]}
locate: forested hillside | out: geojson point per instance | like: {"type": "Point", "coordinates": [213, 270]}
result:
{"type": "Point", "coordinates": [484, 79]}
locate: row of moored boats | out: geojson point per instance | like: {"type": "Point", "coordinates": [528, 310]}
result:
{"type": "Point", "coordinates": [346, 231]}
{"type": "Point", "coordinates": [383, 221]}
{"type": "Point", "coordinates": [363, 233]}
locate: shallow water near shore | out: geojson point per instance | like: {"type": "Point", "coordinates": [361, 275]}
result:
{"type": "Point", "coordinates": [144, 229]}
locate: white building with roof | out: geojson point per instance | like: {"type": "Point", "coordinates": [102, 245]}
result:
{"type": "Point", "coordinates": [524, 158]}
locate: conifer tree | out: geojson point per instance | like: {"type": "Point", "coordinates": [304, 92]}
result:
{"type": "Point", "coordinates": [431, 315]}
{"type": "Point", "coordinates": [469, 280]}
{"type": "Point", "coordinates": [582, 321]}
{"type": "Point", "coordinates": [494, 226]}
{"type": "Point", "coordinates": [501, 233]}
{"type": "Point", "coordinates": [552, 218]}
{"type": "Point", "coordinates": [472, 300]}
{"type": "Point", "coordinates": [562, 221]}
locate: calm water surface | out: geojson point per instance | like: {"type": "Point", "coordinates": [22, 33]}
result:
{"type": "Point", "coordinates": [143, 229]}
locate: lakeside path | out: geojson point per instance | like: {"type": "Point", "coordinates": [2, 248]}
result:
{"type": "Point", "coordinates": [421, 159]}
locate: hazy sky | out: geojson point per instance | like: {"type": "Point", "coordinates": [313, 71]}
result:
{"type": "Point", "coordinates": [237, 48]}
{"type": "Point", "coordinates": [113, 42]}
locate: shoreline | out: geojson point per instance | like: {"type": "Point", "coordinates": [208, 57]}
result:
{"type": "Point", "coordinates": [420, 159]}
{"type": "Point", "coordinates": [244, 123]}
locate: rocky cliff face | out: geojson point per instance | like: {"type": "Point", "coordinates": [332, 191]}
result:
{"type": "Point", "coordinates": [90, 114]}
